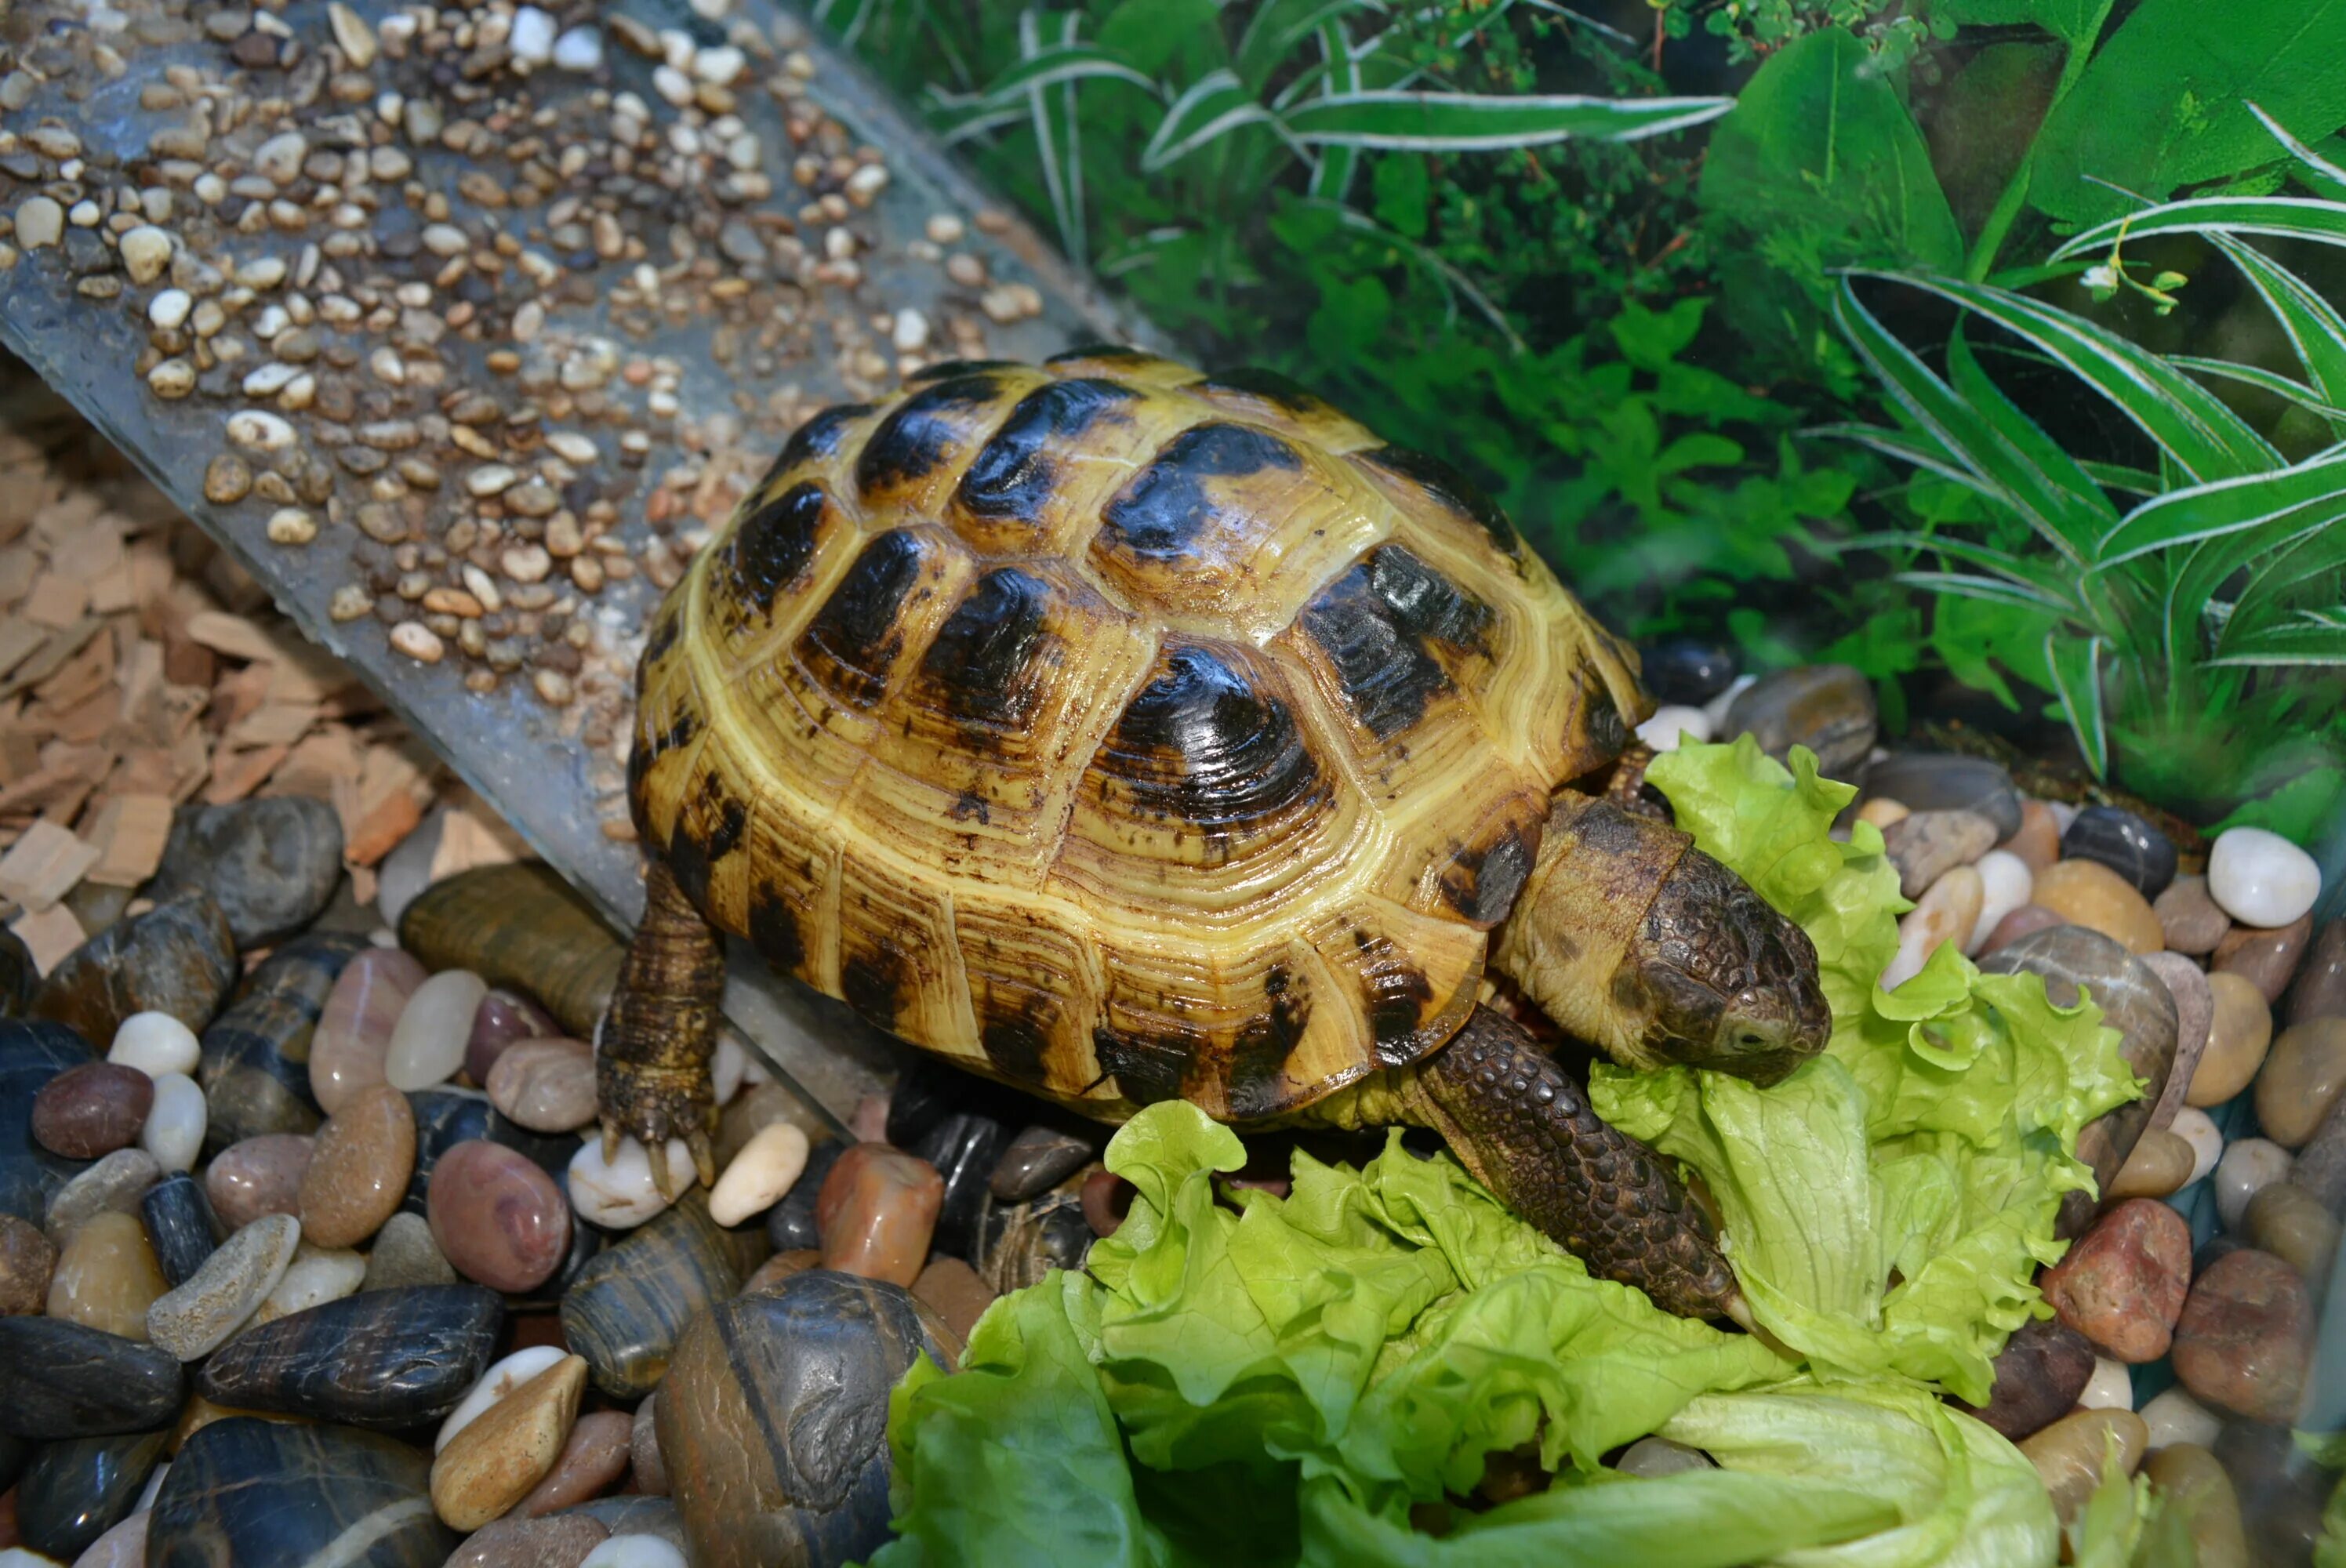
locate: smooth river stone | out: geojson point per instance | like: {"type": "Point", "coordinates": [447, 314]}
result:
{"type": "Point", "coordinates": [427, 1044]}
{"type": "Point", "coordinates": [496, 1216]}
{"type": "Point", "coordinates": [951, 1289]}
{"type": "Point", "coordinates": [353, 1032]}
{"type": "Point", "coordinates": [2191, 1480]}
{"type": "Point", "coordinates": [180, 1225]}
{"type": "Point", "coordinates": [124, 1546]}
{"type": "Point", "coordinates": [876, 1213]}
{"type": "Point", "coordinates": [964, 1148]}
{"type": "Point", "coordinates": [259, 1175]}
{"type": "Point", "coordinates": [2134, 1002]}
{"type": "Point", "coordinates": [2019, 922]}
{"type": "Point", "coordinates": [1019, 1243]}
{"type": "Point", "coordinates": [27, 1259]}
{"type": "Point", "coordinates": [2038, 839]}
{"type": "Point", "coordinates": [270, 863]}
{"type": "Point", "coordinates": [404, 1253]}
{"type": "Point", "coordinates": [446, 1117]}
{"type": "Point", "coordinates": [2239, 1034]}
{"type": "Point", "coordinates": [2270, 958]}
{"type": "Point", "coordinates": [1827, 708]}
{"type": "Point", "coordinates": [74, 1491]}
{"type": "Point", "coordinates": [256, 1071]}
{"type": "Point", "coordinates": [1038, 1159]}
{"type": "Point", "coordinates": [2123, 1282]}
{"type": "Point", "coordinates": [174, 1133]}
{"type": "Point", "coordinates": [773, 1422]}
{"type": "Point", "coordinates": [638, 1517]}
{"type": "Point", "coordinates": [2192, 921]}
{"type": "Point", "coordinates": [390, 1359]}
{"type": "Point", "coordinates": [759, 1177]}
{"type": "Point", "coordinates": [502, 1018]}
{"type": "Point", "coordinates": [30, 1056]}
{"type": "Point", "coordinates": [790, 1224]}
{"type": "Point", "coordinates": [2320, 989]}
{"type": "Point", "coordinates": [2195, 1014]}
{"type": "Point", "coordinates": [2088, 893]}
{"type": "Point", "coordinates": [250, 1494]}
{"type": "Point", "coordinates": [544, 1084]}
{"type": "Point", "coordinates": [2290, 1222]}
{"type": "Point", "coordinates": [2244, 1340]}
{"type": "Point", "coordinates": [194, 1320]}
{"type": "Point", "coordinates": [649, 1474]}
{"type": "Point", "coordinates": [591, 1462]}
{"type": "Point", "coordinates": [60, 1379]}
{"type": "Point", "coordinates": [630, 1302]}
{"type": "Point", "coordinates": [2173, 1416]}
{"type": "Point", "coordinates": [2070, 1454]}
{"type": "Point", "coordinates": [2126, 844]}
{"type": "Point", "coordinates": [2260, 878]}
{"type": "Point", "coordinates": [1926, 845]}
{"type": "Point", "coordinates": [2161, 1163]}
{"type": "Point", "coordinates": [2320, 1167]}
{"type": "Point", "coordinates": [2006, 882]}
{"type": "Point", "coordinates": [496, 1462]}
{"type": "Point", "coordinates": [511, 1542]}
{"type": "Point", "coordinates": [756, 1109]}
{"type": "Point", "coordinates": [91, 1110]}
{"type": "Point", "coordinates": [620, 1193]}
{"type": "Point", "coordinates": [177, 958]}
{"type": "Point", "coordinates": [115, 1185]}
{"type": "Point", "coordinates": [107, 1277]}
{"type": "Point", "coordinates": [503, 1377]}
{"type": "Point", "coordinates": [317, 1275]}
{"type": "Point", "coordinates": [1945, 913]}
{"type": "Point", "coordinates": [2039, 1373]}
{"type": "Point", "coordinates": [2248, 1166]}
{"type": "Point", "coordinates": [359, 1168]}
{"type": "Point", "coordinates": [1944, 781]}
{"type": "Point", "coordinates": [2300, 1080]}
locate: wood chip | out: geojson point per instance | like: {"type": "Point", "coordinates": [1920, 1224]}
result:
{"type": "Point", "coordinates": [54, 601]}
{"type": "Point", "coordinates": [18, 639]}
{"type": "Point", "coordinates": [231, 635]}
{"type": "Point", "coordinates": [273, 724]}
{"type": "Point", "coordinates": [131, 833]}
{"type": "Point", "coordinates": [471, 838]}
{"type": "Point", "coordinates": [236, 774]}
{"type": "Point", "coordinates": [50, 935]}
{"type": "Point", "coordinates": [43, 865]}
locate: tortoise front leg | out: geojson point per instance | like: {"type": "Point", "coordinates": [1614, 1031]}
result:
{"type": "Point", "coordinates": [652, 1054]}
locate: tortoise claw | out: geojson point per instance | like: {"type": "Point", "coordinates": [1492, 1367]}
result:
{"type": "Point", "coordinates": [704, 1153]}
{"type": "Point", "coordinates": [654, 1105]}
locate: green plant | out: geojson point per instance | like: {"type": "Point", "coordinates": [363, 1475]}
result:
{"type": "Point", "coordinates": [2199, 624]}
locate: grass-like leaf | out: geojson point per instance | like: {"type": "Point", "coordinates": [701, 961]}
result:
{"type": "Point", "coordinates": [1210, 107]}
{"type": "Point", "coordinates": [2316, 330]}
{"type": "Point", "coordinates": [2312, 639]}
{"type": "Point", "coordinates": [2076, 666]}
{"type": "Point", "coordinates": [2227, 507]}
{"type": "Point", "coordinates": [1277, 26]}
{"type": "Point", "coordinates": [2118, 476]}
{"type": "Point", "coordinates": [1995, 590]}
{"type": "Point", "coordinates": [2263, 380]}
{"type": "Point", "coordinates": [1066, 61]}
{"type": "Point", "coordinates": [1470, 122]}
{"type": "Point", "coordinates": [1332, 172]}
{"type": "Point", "coordinates": [2282, 217]}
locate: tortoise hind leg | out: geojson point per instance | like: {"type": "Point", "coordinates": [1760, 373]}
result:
{"type": "Point", "coordinates": [652, 1053]}
{"type": "Point", "coordinates": [1527, 1132]}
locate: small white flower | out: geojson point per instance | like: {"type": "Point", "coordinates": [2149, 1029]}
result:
{"type": "Point", "coordinates": [2101, 278]}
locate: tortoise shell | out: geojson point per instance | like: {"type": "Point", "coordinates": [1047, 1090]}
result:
{"type": "Point", "coordinates": [1119, 731]}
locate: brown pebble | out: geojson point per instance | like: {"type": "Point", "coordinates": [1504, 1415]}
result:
{"type": "Point", "coordinates": [227, 479]}
{"type": "Point", "coordinates": [501, 1456]}
{"type": "Point", "coordinates": [2038, 842]}
{"type": "Point", "coordinates": [876, 1211]}
{"type": "Point", "coordinates": [2244, 1341]}
{"type": "Point", "coordinates": [359, 1168]}
{"type": "Point", "coordinates": [2070, 1454]}
{"type": "Point", "coordinates": [2195, 1013]}
{"type": "Point", "coordinates": [2039, 1373]}
{"type": "Point", "coordinates": [650, 1476]}
{"type": "Point", "coordinates": [2320, 989]}
{"type": "Point", "coordinates": [593, 1459]}
{"type": "Point", "coordinates": [562, 1542]}
{"type": "Point", "coordinates": [2123, 1282]}
{"type": "Point", "coordinates": [2160, 1164]}
{"type": "Point", "coordinates": [258, 1175]}
{"type": "Point", "coordinates": [781, 1267]}
{"type": "Point", "coordinates": [2300, 1080]}
{"type": "Point", "coordinates": [1926, 845]}
{"type": "Point", "coordinates": [1107, 1198]}
{"type": "Point", "coordinates": [2270, 957]}
{"type": "Point", "coordinates": [953, 1290]}
{"type": "Point", "coordinates": [2192, 1480]}
{"type": "Point", "coordinates": [2291, 1223]}
{"type": "Point", "coordinates": [2240, 1037]}
{"type": "Point", "coordinates": [26, 1261]}
{"type": "Point", "coordinates": [92, 1110]}
{"type": "Point", "coordinates": [107, 1277]}
{"type": "Point", "coordinates": [499, 1218]}
{"type": "Point", "coordinates": [2090, 894]}
{"type": "Point", "coordinates": [2193, 921]}
{"type": "Point", "coordinates": [2019, 922]}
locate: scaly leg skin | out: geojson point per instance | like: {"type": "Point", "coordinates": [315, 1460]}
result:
{"type": "Point", "coordinates": [1527, 1132]}
{"type": "Point", "coordinates": [651, 1055]}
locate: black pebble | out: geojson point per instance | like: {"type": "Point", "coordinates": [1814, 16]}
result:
{"type": "Point", "coordinates": [1038, 1159]}
{"type": "Point", "coordinates": [180, 1225]}
{"type": "Point", "coordinates": [964, 1147]}
{"type": "Point", "coordinates": [74, 1491]}
{"type": "Point", "coordinates": [2117, 839]}
{"type": "Point", "coordinates": [1687, 670]}
{"type": "Point", "coordinates": [790, 1224]}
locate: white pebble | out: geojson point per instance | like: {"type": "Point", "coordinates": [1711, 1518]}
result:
{"type": "Point", "coordinates": [25, 1557]}
{"type": "Point", "coordinates": [762, 1175]}
{"type": "Point", "coordinates": [168, 309]}
{"type": "Point", "coordinates": [910, 333]}
{"type": "Point", "coordinates": [621, 1195]}
{"type": "Point", "coordinates": [427, 1044]}
{"type": "Point", "coordinates": [633, 1552]}
{"type": "Point", "coordinates": [2195, 1127]}
{"type": "Point", "coordinates": [532, 39]}
{"type": "Point", "coordinates": [146, 1493]}
{"type": "Point", "coordinates": [316, 1276]}
{"type": "Point", "coordinates": [146, 251]}
{"type": "Point", "coordinates": [1674, 725]}
{"type": "Point", "coordinates": [2176, 1417]}
{"type": "Point", "coordinates": [2111, 1387]}
{"type": "Point", "coordinates": [2248, 1168]}
{"type": "Point", "coordinates": [40, 221]}
{"type": "Point", "coordinates": [495, 1383]}
{"type": "Point", "coordinates": [2063, 812]}
{"type": "Point", "coordinates": [174, 1133]}
{"type": "Point", "coordinates": [719, 66]}
{"type": "Point", "coordinates": [257, 431]}
{"type": "Point", "coordinates": [2006, 882]}
{"type": "Point", "coordinates": [1654, 1457]}
{"type": "Point", "coordinates": [672, 85]}
{"type": "Point", "coordinates": [1716, 709]}
{"type": "Point", "coordinates": [579, 49]}
{"type": "Point", "coordinates": [2261, 878]}
{"type": "Point", "coordinates": [155, 1044]}
{"type": "Point", "coordinates": [726, 1066]}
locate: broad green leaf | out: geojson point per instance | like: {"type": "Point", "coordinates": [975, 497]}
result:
{"type": "Point", "coordinates": [1984, 121]}
{"type": "Point", "coordinates": [2255, 376]}
{"type": "Point", "coordinates": [1209, 107]}
{"type": "Point", "coordinates": [2073, 21]}
{"type": "Point", "coordinates": [2162, 104]}
{"type": "Point", "coordinates": [2310, 493]}
{"type": "Point", "coordinates": [2282, 217]}
{"type": "Point", "coordinates": [2191, 424]}
{"type": "Point", "coordinates": [1470, 122]}
{"type": "Point", "coordinates": [2076, 666]}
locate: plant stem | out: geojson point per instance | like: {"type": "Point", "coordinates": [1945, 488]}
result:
{"type": "Point", "coordinates": [2016, 191]}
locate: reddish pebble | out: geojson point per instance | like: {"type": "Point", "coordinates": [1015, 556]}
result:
{"type": "Point", "coordinates": [2038, 843]}
{"type": "Point", "coordinates": [27, 1262]}
{"type": "Point", "coordinates": [92, 1110]}
{"type": "Point", "coordinates": [2019, 923]}
{"type": "Point", "coordinates": [951, 1290]}
{"type": "Point", "coordinates": [1107, 1198]}
{"type": "Point", "coordinates": [2123, 1282]}
{"type": "Point", "coordinates": [650, 1476]}
{"type": "Point", "coordinates": [876, 1211]}
{"type": "Point", "coordinates": [259, 1175]}
{"type": "Point", "coordinates": [359, 1168]}
{"type": "Point", "coordinates": [593, 1459]}
{"type": "Point", "coordinates": [515, 1541]}
{"type": "Point", "coordinates": [499, 1218]}
{"type": "Point", "coordinates": [2267, 958]}
{"type": "Point", "coordinates": [2245, 1341]}
{"type": "Point", "coordinates": [501, 1018]}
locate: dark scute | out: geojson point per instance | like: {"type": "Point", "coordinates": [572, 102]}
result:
{"type": "Point", "coordinates": [818, 437]}
{"type": "Point", "coordinates": [1011, 476]}
{"type": "Point", "coordinates": [920, 433]}
{"type": "Point", "coordinates": [663, 636]}
{"type": "Point", "coordinates": [1201, 745]}
{"type": "Point", "coordinates": [706, 833]}
{"type": "Point", "coordinates": [1447, 485]}
{"type": "Point", "coordinates": [1608, 731]}
{"type": "Point", "coordinates": [1162, 509]}
{"type": "Point", "coordinates": [1484, 879]}
{"type": "Point", "coordinates": [1283, 392]}
{"type": "Point", "coordinates": [855, 630]}
{"type": "Point", "coordinates": [1146, 1070]}
{"type": "Point", "coordinates": [1397, 997]}
{"type": "Point", "coordinates": [1378, 623]}
{"type": "Point", "coordinates": [1015, 1047]}
{"type": "Point", "coordinates": [1100, 352]}
{"type": "Point", "coordinates": [990, 641]}
{"type": "Point", "coordinates": [945, 369]}
{"type": "Point", "coordinates": [872, 984]}
{"type": "Point", "coordinates": [773, 545]}
{"type": "Point", "coordinates": [1257, 1078]}
{"type": "Point", "coordinates": [774, 929]}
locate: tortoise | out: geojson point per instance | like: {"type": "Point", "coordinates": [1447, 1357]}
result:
{"type": "Point", "coordinates": [1122, 732]}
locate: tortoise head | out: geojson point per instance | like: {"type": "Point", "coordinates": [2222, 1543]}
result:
{"type": "Point", "coordinates": [1726, 982]}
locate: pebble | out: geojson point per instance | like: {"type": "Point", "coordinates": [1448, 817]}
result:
{"type": "Point", "coordinates": [168, 309]}
{"type": "Point", "coordinates": [2173, 1416]}
{"type": "Point", "coordinates": [2111, 1387]}
{"type": "Point", "coordinates": [620, 1193]}
{"type": "Point", "coordinates": [1881, 811]}
{"type": "Point", "coordinates": [649, 1474]}
{"type": "Point", "coordinates": [2069, 1454]}
{"type": "Point", "coordinates": [2192, 1481]}
{"type": "Point", "coordinates": [113, 1186]}
{"type": "Point", "coordinates": [578, 49]}
{"type": "Point", "coordinates": [546, 1085]}
{"type": "Point", "coordinates": [2320, 1167]}
{"type": "Point", "coordinates": [1038, 1159]}
{"type": "Point", "coordinates": [155, 1044]}
{"type": "Point", "coordinates": [1943, 781]}
{"type": "Point", "coordinates": [180, 1225]}
{"type": "Point", "coordinates": [2199, 1131]}
{"type": "Point", "coordinates": [2160, 1164]}
{"type": "Point", "coordinates": [1686, 670]}
{"type": "Point", "coordinates": [1651, 1458]}
{"type": "Point", "coordinates": [146, 252]}
{"type": "Point", "coordinates": [561, 1542]}
{"type": "Point", "coordinates": [270, 863]}
{"type": "Point", "coordinates": [63, 1380]}
{"type": "Point", "coordinates": [2195, 1011]}
{"type": "Point", "coordinates": [31, 1054]}
{"type": "Point", "coordinates": [760, 1174]}
{"type": "Point", "coordinates": [876, 1212]}
{"type": "Point", "coordinates": [496, 1216]}
{"type": "Point", "coordinates": [404, 1253]}
{"type": "Point", "coordinates": [2266, 957]}
{"type": "Point", "coordinates": [177, 958]}
{"type": "Point", "coordinates": [259, 1175]}
{"type": "Point", "coordinates": [1926, 845]}
{"type": "Point", "coordinates": [196, 1318]}
{"type": "Point", "coordinates": [359, 1168]}
{"type": "Point", "coordinates": [92, 1110]}
{"type": "Point", "coordinates": [2291, 1223]}
{"type": "Point", "coordinates": [2038, 839]}
{"type": "Point", "coordinates": [532, 38]}
{"type": "Point", "coordinates": [2240, 1037]}
{"type": "Point", "coordinates": [447, 1117]}
{"type": "Point", "coordinates": [257, 430]}
{"type": "Point", "coordinates": [354, 1032]}
{"type": "Point", "coordinates": [124, 1545]}
{"type": "Point", "coordinates": [1107, 1200]}
{"type": "Point", "coordinates": [773, 1422]}
{"type": "Point", "coordinates": [2191, 921]}
{"type": "Point", "coordinates": [2123, 1282]}
{"type": "Point", "coordinates": [1946, 913]}
{"type": "Point", "coordinates": [2245, 1338]}
{"type": "Point", "coordinates": [256, 1071]}
{"type": "Point", "coordinates": [74, 1491]}
{"type": "Point", "coordinates": [591, 1462]}
{"type": "Point", "coordinates": [246, 1491]}
{"type": "Point", "coordinates": [2019, 922]}
{"type": "Point", "coordinates": [174, 1125]}
{"type": "Point", "coordinates": [417, 641]}
{"type": "Point", "coordinates": [2125, 843]}
{"type": "Point", "coordinates": [1829, 709]}
{"type": "Point", "coordinates": [2089, 894]}
{"type": "Point", "coordinates": [2320, 989]}
{"type": "Point", "coordinates": [2300, 1080]}
{"type": "Point", "coordinates": [107, 1277]}
{"type": "Point", "coordinates": [387, 1360]}
{"type": "Point", "coordinates": [953, 1290]}
{"type": "Point", "coordinates": [40, 222]}
{"type": "Point", "coordinates": [2005, 884]}
{"type": "Point", "coordinates": [427, 1046]}
{"type": "Point", "coordinates": [964, 1147]}
{"type": "Point", "coordinates": [318, 1275]}
{"type": "Point", "coordinates": [1672, 725]}
{"type": "Point", "coordinates": [630, 1303]}
{"type": "Point", "coordinates": [2249, 1165]}
{"type": "Point", "coordinates": [634, 1551]}
{"type": "Point", "coordinates": [500, 1379]}
{"type": "Point", "coordinates": [501, 1020]}
{"type": "Point", "coordinates": [27, 1259]}
{"type": "Point", "coordinates": [2261, 878]}
{"type": "Point", "coordinates": [494, 1462]}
